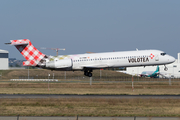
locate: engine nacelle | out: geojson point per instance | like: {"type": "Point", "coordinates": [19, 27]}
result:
{"type": "Point", "coordinates": [65, 63]}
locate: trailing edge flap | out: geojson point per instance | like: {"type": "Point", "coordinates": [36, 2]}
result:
{"type": "Point", "coordinates": [95, 66]}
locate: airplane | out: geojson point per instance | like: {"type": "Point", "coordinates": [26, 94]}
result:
{"type": "Point", "coordinates": [89, 62]}
{"type": "Point", "coordinates": [151, 74]}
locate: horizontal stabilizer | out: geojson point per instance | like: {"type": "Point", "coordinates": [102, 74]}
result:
{"type": "Point", "coordinates": [19, 42]}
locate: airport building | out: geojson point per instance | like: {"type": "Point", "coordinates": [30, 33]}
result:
{"type": "Point", "coordinates": [4, 60]}
{"type": "Point", "coordinates": [173, 69]}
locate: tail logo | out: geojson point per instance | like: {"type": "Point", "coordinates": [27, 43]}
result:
{"type": "Point", "coordinates": [151, 56]}
{"type": "Point", "coordinates": [30, 53]}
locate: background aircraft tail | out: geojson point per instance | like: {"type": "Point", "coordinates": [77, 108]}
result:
{"type": "Point", "coordinates": [33, 56]}
{"type": "Point", "coordinates": [157, 69]}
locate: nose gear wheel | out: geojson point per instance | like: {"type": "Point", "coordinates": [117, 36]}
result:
{"type": "Point", "coordinates": [165, 68]}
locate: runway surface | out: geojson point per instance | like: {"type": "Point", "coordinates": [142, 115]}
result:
{"type": "Point", "coordinates": [89, 118]}
{"type": "Point", "coordinates": [12, 96]}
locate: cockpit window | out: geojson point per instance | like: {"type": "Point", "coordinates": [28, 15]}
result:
{"type": "Point", "coordinates": [163, 54]}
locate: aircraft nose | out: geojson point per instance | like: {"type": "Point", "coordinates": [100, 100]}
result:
{"type": "Point", "coordinates": [171, 59]}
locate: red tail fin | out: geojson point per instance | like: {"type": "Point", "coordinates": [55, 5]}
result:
{"type": "Point", "coordinates": [29, 52]}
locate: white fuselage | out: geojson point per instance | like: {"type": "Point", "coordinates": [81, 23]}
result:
{"type": "Point", "coordinates": [88, 62]}
{"type": "Point", "coordinates": [110, 59]}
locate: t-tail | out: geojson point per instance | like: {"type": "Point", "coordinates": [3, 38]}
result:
{"type": "Point", "coordinates": [33, 56]}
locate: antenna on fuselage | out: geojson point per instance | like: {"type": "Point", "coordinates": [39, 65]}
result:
{"type": "Point", "coordinates": [136, 49]}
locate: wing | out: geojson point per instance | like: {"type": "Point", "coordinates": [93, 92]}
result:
{"type": "Point", "coordinates": [95, 66]}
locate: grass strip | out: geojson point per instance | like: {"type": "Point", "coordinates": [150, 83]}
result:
{"type": "Point", "coordinates": [90, 107]}
{"type": "Point", "coordinates": [95, 89]}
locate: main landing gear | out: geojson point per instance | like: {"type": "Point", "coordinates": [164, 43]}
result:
{"type": "Point", "coordinates": [165, 68]}
{"type": "Point", "coordinates": [88, 73]}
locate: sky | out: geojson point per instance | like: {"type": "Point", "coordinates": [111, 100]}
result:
{"type": "Point", "coordinates": [80, 26]}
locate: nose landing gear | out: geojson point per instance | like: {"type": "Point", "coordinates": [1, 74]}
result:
{"type": "Point", "coordinates": [165, 68]}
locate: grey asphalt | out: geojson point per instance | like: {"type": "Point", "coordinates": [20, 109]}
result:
{"type": "Point", "coordinates": [89, 118]}
{"type": "Point", "coordinates": [11, 96]}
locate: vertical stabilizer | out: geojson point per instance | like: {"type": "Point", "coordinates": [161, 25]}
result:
{"type": "Point", "coordinates": [157, 69]}
{"type": "Point", "coordinates": [30, 53]}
